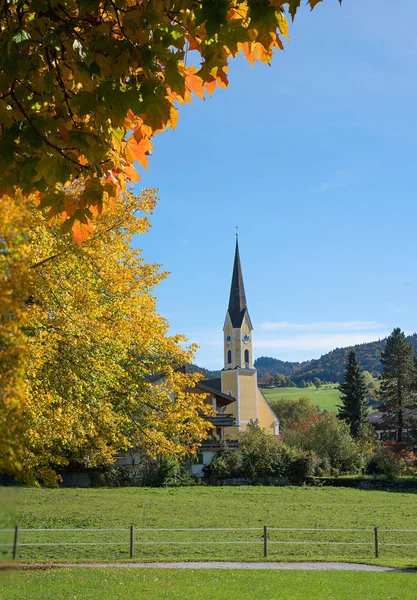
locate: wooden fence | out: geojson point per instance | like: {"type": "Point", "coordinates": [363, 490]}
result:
{"type": "Point", "coordinates": [132, 538]}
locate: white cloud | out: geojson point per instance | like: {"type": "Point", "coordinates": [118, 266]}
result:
{"type": "Point", "coordinates": [321, 326]}
{"type": "Point", "coordinates": [341, 179]}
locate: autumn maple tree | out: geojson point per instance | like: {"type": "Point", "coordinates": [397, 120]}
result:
{"type": "Point", "coordinates": [86, 84]}
{"type": "Point", "coordinates": [93, 344]}
{"type": "Point", "coordinates": [84, 87]}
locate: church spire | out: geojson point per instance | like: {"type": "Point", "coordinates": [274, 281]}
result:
{"type": "Point", "coordinates": [237, 300]}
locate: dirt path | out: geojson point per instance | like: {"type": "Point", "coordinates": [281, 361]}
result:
{"type": "Point", "coordinates": [300, 566]}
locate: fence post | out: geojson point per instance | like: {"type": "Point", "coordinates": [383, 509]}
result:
{"type": "Point", "coordinates": [265, 540]}
{"type": "Point", "coordinates": [132, 537]}
{"type": "Point", "coordinates": [376, 542]}
{"type": "Point", "coordinates": [15, 541]}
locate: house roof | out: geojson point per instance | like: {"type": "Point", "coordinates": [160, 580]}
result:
{"type": "Point", "coordinates": [377, 417]}
{"type": "Point", "coordinates": [237, 300]}
{"type": "Point", "coordinates": [214, 386]}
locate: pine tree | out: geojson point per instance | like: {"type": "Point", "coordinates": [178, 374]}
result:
{"type": "Point", "coordinates": [353, 395]}
{"type": "Point", "coordinates": [397, 395]}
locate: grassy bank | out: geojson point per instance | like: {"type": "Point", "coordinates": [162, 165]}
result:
{"type": "Point", "coordinates": [326, 398]}
{"type": "Point", "coordinates": [109, 584]}
{"type": "Point", "coordinates": [226, 507]}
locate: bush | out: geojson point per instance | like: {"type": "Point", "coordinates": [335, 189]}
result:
{"type": "Point", "coordinates": [330, 440]}
{"type": "Point", "coordinates": [385, 462]}
{"type": "Point", "coordinates": [289, 411]}
{"type": "Point", "coordinates": [261, 458]}
{"type": "Point", "coordinates": [302, 467]}
{"type": "Point", "coordinates": [227, 462]}
{"type": "Point", "coordinates": [148, 471]}
{"type": "Point", "coordinates": [104, 476]}
{"type": "Point", "coordinates": [263, 455]}
{"type": "Point", "coordinates": [392, 460]}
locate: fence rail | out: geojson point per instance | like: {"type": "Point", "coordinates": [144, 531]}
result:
{"type": "Point", "coordinates": [19, 538]}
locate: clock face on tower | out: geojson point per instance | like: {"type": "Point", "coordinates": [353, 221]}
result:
{"type": "Point", "coordinates": [246, 338]}
{"type": "Point", "coordinates": [228, 339]}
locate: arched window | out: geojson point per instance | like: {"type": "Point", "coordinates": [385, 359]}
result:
{"type": "Point", "coordinates": [229, 357]}
{"type": "Point", "coordinates": [247, 357]}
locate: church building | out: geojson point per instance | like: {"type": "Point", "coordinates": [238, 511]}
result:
{"type": "Point", "coordinates": [235, 396]}
{"type": "Point", "coordinates": [239, 377]}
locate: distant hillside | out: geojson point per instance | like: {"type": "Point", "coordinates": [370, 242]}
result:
{"type": "Point", "coordinates": [206, 372]}
{"type": "Point", "coordinates": [330, 366]}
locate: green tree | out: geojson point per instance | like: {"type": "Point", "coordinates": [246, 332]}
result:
{"type": "Point", "coordinates": [290, 411]}
{"type": "Point", "coordinates": [263, 454]}
{"type": "Point", "coordinates": [397, 394]}
{"type": "Point", "coordinates": [317, 382]}
{"type": "Point", "coordinates": [267, 380]}
{"type": "Point", "coordinates": [353, 395]}
{"type": "Point", "coordinates": [330, 439]}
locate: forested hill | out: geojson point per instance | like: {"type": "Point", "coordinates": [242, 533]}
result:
{"type": "Point", "coordinates": [330, 366]}
{"type": "Point", "coordinates": [205, 372]}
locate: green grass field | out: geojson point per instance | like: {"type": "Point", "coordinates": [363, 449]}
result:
{"type": "Point", "coordinates": [326, 398]}
{"type": "Point", "coordinates": [208, 507]}
{"type": "Point", "coordinates": [190, 584]}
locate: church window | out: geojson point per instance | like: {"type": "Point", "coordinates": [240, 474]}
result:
{"type": "Point", "coordinates": [247, 357]}
{"type": "Point", "coordinates": [229, 357]}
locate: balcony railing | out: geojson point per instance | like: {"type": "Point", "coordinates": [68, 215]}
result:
{"type": "Point", "coordinates": [221, 420]}
{"type": "Point", "coordinates": [215, 444]}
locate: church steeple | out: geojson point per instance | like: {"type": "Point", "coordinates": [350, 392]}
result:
{"type": "Point", "coordinates": [237, 326]}
{"type": "Point", "coordinates": [239, 376]}
{"type": "Point", "coordinates": [237, 300]}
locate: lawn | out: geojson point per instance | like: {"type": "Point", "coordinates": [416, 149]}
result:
{"type": "Point", "coordinates": [153, 584]}
{"type": "Point", "coordinates": [326, 397]}
{"type": "Point", "coordinates": [208, 507]}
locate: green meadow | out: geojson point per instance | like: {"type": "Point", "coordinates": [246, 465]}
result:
{"type": "Point", "coordinates": [191, 584]}
{"type": "Point", "coordinates": [326, 397]}
{"type": "Point", "coordinates": [90, 511]}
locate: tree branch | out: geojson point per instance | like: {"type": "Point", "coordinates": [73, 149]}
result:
{"type": "Point", "coordinates": [45, 140]}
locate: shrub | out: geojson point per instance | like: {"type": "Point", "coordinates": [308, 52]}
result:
{"type": "Point", "coordinates": [263, 454]}
{"type": "Point", "coordinates": [330, 440]}
{"type": "Point", "coordinates": [392, 460]}
{"type": "Point", "coordinates": [301, 467]}
{"type": "Point", "coordinates": [289, 411]}
{"type": "Point", "coordinates": [385, 462]}
{"type": "Point", "coordinates": [227, 462]}
{"type": "Point", "coordinates": [261, 458]}
{"type": "Point", "coordinates": [148, 471]}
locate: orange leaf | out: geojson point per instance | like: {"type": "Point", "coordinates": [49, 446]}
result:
{"type": "Point", "coordinates": [70, 206]}
{"type": "Point", "coordinates": [222, 80]}
{"type": "Point", "coordinates": [81, 229]}
{"type": "Point", "coordinates": [194, 83]}
{"type": "Point", "coordinates": [138, 150]}
{"type": "Point", "coordinates": [173, 117]}
{"type": "Point", "coordinates": [131, 173]}
{"type": "Point", "coordinates": [37, 197]}
{"type": "Point", "coordinates": [211, 85]}
{"type": "Point", "coordinates": [194, 43]}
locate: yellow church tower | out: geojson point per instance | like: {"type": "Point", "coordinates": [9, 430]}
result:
{"type": "Point", "coordinates": [239, 377]}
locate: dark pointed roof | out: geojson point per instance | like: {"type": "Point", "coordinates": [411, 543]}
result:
{"type": "Point", "coordinates": [237, 301]}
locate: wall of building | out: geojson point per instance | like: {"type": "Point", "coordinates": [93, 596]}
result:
{"type": "Point", "coordinates": [266, 416]}
{"type": "Point", "coordinates": [248, 396]}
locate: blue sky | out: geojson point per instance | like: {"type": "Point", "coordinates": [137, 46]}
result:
{"type": "Point", "coordinates": [314, 158]}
